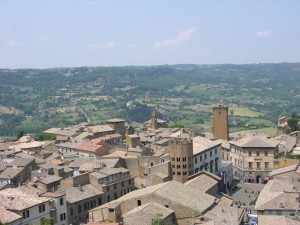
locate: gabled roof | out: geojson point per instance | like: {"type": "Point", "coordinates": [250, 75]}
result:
{"type": "Point", "coordinates": [201, 144]}
{"type": "Point", "coordinates": [277, 220]}
{"type": "Point", "coordinates": [50, 179]}
{"type": "Point", "coordinates": [7, 216]}
{"type": "Point", "coordinates": [277, 195]}
{"type": "Point", "coordinates": [222, 215]}
{"type": "Point", "coordinates": [22, 162]}
{"type": "Point", "coordinates": [16, 199]}
{"type": "Point", "coordinates": [10, 173]}
{"type": "Point", "coordinates": [75, 194]}
{"type": "Point", "coordinates": [284, 170]}
{"type": "Point", "coordinates": [144, 214]}
{"type": "Point", "coordinates": [186, 196]}
{"type": "Point", "coordinates": [204, 181]}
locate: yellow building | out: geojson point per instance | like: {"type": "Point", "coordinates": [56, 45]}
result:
{"type": "Point", "coordinates": [252, 158]}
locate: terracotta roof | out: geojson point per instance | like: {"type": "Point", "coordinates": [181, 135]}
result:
{"type": "Point", "coordinates": [100, 128]}
{"type": "Point", "coordinates": [277, 220]}
{"type": "Point", "coordinates": [256, 142]}
{"type": "Point", "coordinates": [50, 179]}
{"type": "Point", "coordinates": [201, 144]}
{"type": "Point", "coordinates": [144, 214]}
{"type": "Point", "coordinates": [4, 146]}
{"type": "Point", "coordinates": [16, 199]}
{"type": "Point", "coordinates": [60, 132]}
{"type": "Point", "coordinates": [222, 215]}
{"type": "Point", "coordinates": [284, 170]}
{"type": "Point", "coordinates": [55, 162]}
{"type": "Point", "coordinates": [106, 137]}
{"type": "Point", "coordinates": [52, 195]}
{"type": "Point", "coordinates": [75, 194]}
{"type": "Point", "coordinates": [21, 162]}
{"type": "Point", "coordinates": [11, 173]}
{"type": "Point", "coordinates": [7, 216]}
{"type": "Point", "coordinates": [203, 181]}
{"type": "Point", "coordinates": [277, 195]}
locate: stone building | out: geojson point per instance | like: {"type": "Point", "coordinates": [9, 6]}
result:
{"type": "Point", "coordinates": [181, 155]}
{"type": "Point", "coordinates": [118, 125]}
{"type": "Point", "coordinates": [206, 155]}
{"type": "Point", "coordinates": [278, 198]}
{"type": "Point", "coordinates": [253, 158]}
{"type": "Point", "coordinates": [289, 174]}
{"type": "Point", "coordinates": [220, 122]}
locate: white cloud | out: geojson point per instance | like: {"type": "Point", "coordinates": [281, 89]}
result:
{"type": "Point", "coordinates": [262, 34]}
{"type": "Point", "coordinates": [13, 43]}
{"type": "Point", "coordinates": [95, 46]}
{"type": "Point", "coordinates": [130, 45]}
{"type": "Point", "coordinates": [182, 36]}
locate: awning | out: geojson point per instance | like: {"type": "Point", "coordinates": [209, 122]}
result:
{"type": "Point", "coordinates": [250, 177]}
{"type": "Point", "coordinates": [266, 178]}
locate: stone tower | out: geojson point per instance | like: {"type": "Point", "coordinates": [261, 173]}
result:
{"type": "Point", "coordinates": [154, 124]}
{"type": "Point", "coordinates": [181, 156]}
{"type": "Point", "coordinates": [220, 128]}
{"type": "Point", "coordinates": [118, 125]}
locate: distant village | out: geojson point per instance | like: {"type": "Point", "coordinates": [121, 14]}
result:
{"type": "Point", "coordinates": [114, 174]}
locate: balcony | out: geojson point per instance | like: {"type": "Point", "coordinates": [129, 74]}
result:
{"type": "Point", "coordinates": [257, 169]}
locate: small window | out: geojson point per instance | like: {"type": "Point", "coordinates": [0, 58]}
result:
{"type": "Point", "coordinates": [266, 152]}
{"type": "Point", "coordinates": [99, 201]}
{"type": "Point", "coordinates": [42, 208]}
{"type": "Point", "coordinates": [79, 208]}
{"type": "Point", "coordinates": [167, 206]}
{"type": "Point", "coordinates": [111, 210]}
{"type": "Point", "coordinates": [62, 217]}
{"type": "Point", "coordinates": [71, 211]}
{"type": "Point", "coordinates": [139, 202]}
{"type": "Point", "coordinates": [26, 214]}
{"type": "Point", "coordinates": [61, 201]}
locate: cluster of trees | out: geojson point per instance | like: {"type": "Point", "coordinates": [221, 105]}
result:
{"type": "Point", "coordinates": [29, 90]}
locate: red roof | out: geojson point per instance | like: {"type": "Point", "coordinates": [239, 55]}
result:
{"type": "Point", "coordinates": [106, 137]}
{"type": "Point", "coordinates": [52, 195]}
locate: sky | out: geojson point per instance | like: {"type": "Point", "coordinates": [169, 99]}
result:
{"type": "Point", "coordinates": [74, 33]}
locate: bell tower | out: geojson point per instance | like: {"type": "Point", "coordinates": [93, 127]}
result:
{"type": "Point", "coordinates": [154, 120]}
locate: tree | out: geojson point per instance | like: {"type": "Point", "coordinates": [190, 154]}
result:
{"type": "Point", "coordinates": [157, 220]}
{"type": "Point", "coordinates": [47, 222]}
{"type": "Point", "coordinates": [293, 122]}
{"type": "Point", "coordinates": [20, 134]}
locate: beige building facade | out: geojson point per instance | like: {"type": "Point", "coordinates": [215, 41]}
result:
{"type": "Point", "coordinates": [252, 158]}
